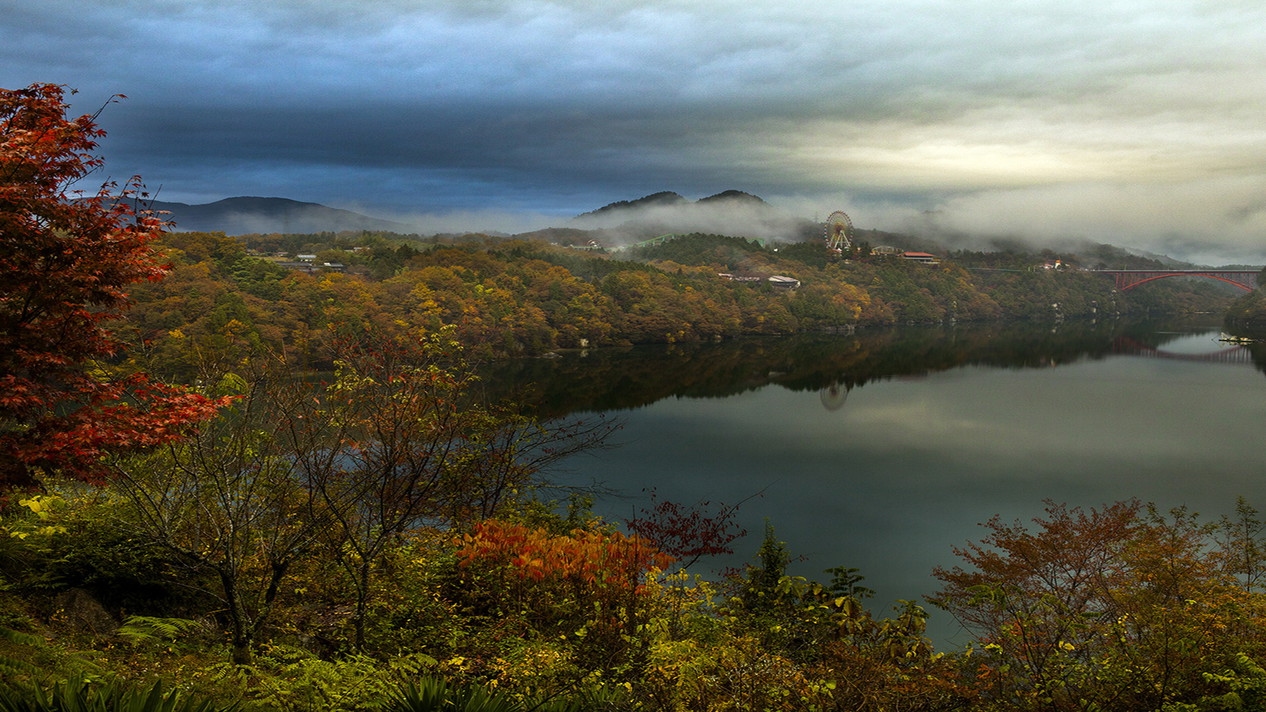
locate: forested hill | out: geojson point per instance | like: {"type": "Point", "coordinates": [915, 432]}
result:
{"type": "Point", "coordinates": [237, 216]}
{"type": "Point", "coordinates": [669, 199]}
{"type": "Point", "coordinates": [507, 297]}
{"type": "Point", "coordinates": [664, 198]}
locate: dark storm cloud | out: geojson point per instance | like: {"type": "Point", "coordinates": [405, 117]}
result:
{"type": "Point", "coordinates": [475, 143]}
{"type": "Point", "coordinates": [1131, 122]}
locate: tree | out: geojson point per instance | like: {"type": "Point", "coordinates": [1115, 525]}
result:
{"type": "Point", "coordinates": [586, 585]}
{"type": "Point", "coordinates": [231, 505]}
{"type": "Point", "coordinates": [688, 533]}
{"type": "Point", "coordinates": [64, 266]}
{"type": "Point", "coordinates": [1041, 602]}
{"type": "Point", "coordinates": [1122, 607]}
{"type": "Point", "coordinates": [403, 442]}
{"type": "Point", "coordinates": [1243, 546]}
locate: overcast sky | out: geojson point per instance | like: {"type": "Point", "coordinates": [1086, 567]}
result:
{"type": "Point", "coordinates": [1133, 122]}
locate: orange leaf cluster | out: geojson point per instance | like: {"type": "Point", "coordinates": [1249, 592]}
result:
{"type": "Point", "coordinates": [595, 558]}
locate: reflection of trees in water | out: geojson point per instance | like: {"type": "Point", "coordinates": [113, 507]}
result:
{"type": "Point", "coordinates": [623, 378]}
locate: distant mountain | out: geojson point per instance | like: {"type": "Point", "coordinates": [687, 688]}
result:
{"type": "Point", "coordinates": [730, 212]}
{"type": "Point", "coordinates": [733, 196]}
{"type": "Point", "coordinates": [240, 216]}
{"type": "Point", "coordinates": [669, 199]}
{"type": "Point", "coordinates": [662, 199]}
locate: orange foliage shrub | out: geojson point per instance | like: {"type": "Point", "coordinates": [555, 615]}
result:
{"type": "Point", "coordinates": [596, 558]}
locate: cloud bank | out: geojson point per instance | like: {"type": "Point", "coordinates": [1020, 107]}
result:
{"type": "Point", "coordinates": [1130, 122]}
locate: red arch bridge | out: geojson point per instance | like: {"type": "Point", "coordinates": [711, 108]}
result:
{"type": "Point", "coordinates": [1131, 278]}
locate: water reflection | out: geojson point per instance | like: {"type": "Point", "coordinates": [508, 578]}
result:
{"type": "Point", "coordinates": [616, 379]}
{"type": "Point", "coordinates": [834, 395]}
{"type": "Point", "coordinates": [884, 450]}
{"type": "Point", "coordinates": [1201, 348]}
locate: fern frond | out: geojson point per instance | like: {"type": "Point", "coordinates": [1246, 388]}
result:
{"type": "Point", "coordinates": [139, 630]}
{"type": "Point", "coordinates": [20, 638]}
{"type": "Point", "coordinates": [79, 694]}
{"type": "Point", "coordinates": [16, 663]}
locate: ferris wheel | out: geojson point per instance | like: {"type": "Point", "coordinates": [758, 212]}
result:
{"type": "Point", "coordinates": [834, 395]}
{"type": "Point", "coordinates": [839, 231]}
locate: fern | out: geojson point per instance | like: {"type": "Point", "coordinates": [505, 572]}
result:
{"type": "Point", "coordinates": [433, 694]}
{"type": "Point", "coordinates": [11, 665]}
{"type": "Point", "coordinates": [436, 695]}
{"type": "Point", "coordinates": [426, 695]}
{"type": "Point", "coordinates": [140, 630]}
{"type": "Point", "coordinates": [291, 678]}
{"type": "Point", "coordinates": [77, 694]}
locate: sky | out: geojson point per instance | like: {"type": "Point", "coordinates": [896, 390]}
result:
{"type": "Point", "coordinates": [1137, 123]}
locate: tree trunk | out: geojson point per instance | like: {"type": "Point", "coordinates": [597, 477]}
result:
{"type": "Point", "coordinates": [362, 604]}
{"type": "Point", "coordinates": [241, 652]}
{"type": "Point", "coordinates": [241, 632]}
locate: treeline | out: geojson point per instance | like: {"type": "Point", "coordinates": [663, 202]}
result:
{"type": "Point", "coordinates": [1247, 315]}
{"type": "Point", "coordinates": [222, 298]}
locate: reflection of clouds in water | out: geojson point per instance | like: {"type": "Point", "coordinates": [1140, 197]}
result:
{"type": "Point", "coordinates": [919, 424]}
{"type": "Point", "coordinates": [1195, 347]}
{"type": "Point", "coordinates": [1044, 419]}
{"type": "Point", "coordinates": [1118, 427]}
{"type": "Point", "coordinates": [908, 468]}
{"type": "Point", "coordinates": [1099, 409]}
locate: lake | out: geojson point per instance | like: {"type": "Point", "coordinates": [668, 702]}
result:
{"type": "Point", "coordinates": [884, 449]}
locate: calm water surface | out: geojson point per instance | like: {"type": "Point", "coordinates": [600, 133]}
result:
{"type": "Point", "coordinates": [885, 450]}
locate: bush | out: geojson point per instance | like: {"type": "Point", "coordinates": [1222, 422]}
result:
{"type": "Point", "coordinates": [436, 695]}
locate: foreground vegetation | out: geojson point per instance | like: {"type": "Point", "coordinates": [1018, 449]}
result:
{"type": "Point", "coordinates": [1122, 607]}
{"type": "Point", "coordinates": [239, 533]}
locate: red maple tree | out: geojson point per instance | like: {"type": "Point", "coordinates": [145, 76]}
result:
{"type": "Point", "coordinates": [688, 533]}
{"type": "Point", "coordinates": [65, 262]}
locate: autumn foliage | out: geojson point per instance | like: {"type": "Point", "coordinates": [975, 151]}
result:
{"type": "Point", "coordinates": [688, 533]}
{"type": "Point", "coordinates": [65, 263]}
{"type": "Point", "coordinates": [333, 539]}
{"type": "Point", "coordinates": [595, 558]}
{"type": "Point", "coordinates": [1121, 607]}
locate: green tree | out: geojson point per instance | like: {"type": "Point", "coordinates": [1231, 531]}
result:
{"type": "Point", "coordinates": [232, 505]}
{"type": "Point", "coordinates": [1242, 545]}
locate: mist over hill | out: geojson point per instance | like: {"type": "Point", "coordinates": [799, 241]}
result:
{"type": "Point", "coordinates": [625, 222]}
{"type": "Point", "coordinates": [246, 215]}
{"type": "Point", "coordinates": [730, 212]}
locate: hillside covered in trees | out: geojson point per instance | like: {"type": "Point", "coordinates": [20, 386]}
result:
{"type": "Point", "coordinates": [513, 296]}
{"type": "Point", "coordinates": [1246, 316]}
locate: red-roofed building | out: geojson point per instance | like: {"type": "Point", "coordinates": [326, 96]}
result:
{"type": "Point", "coordinates": [925, 258]}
